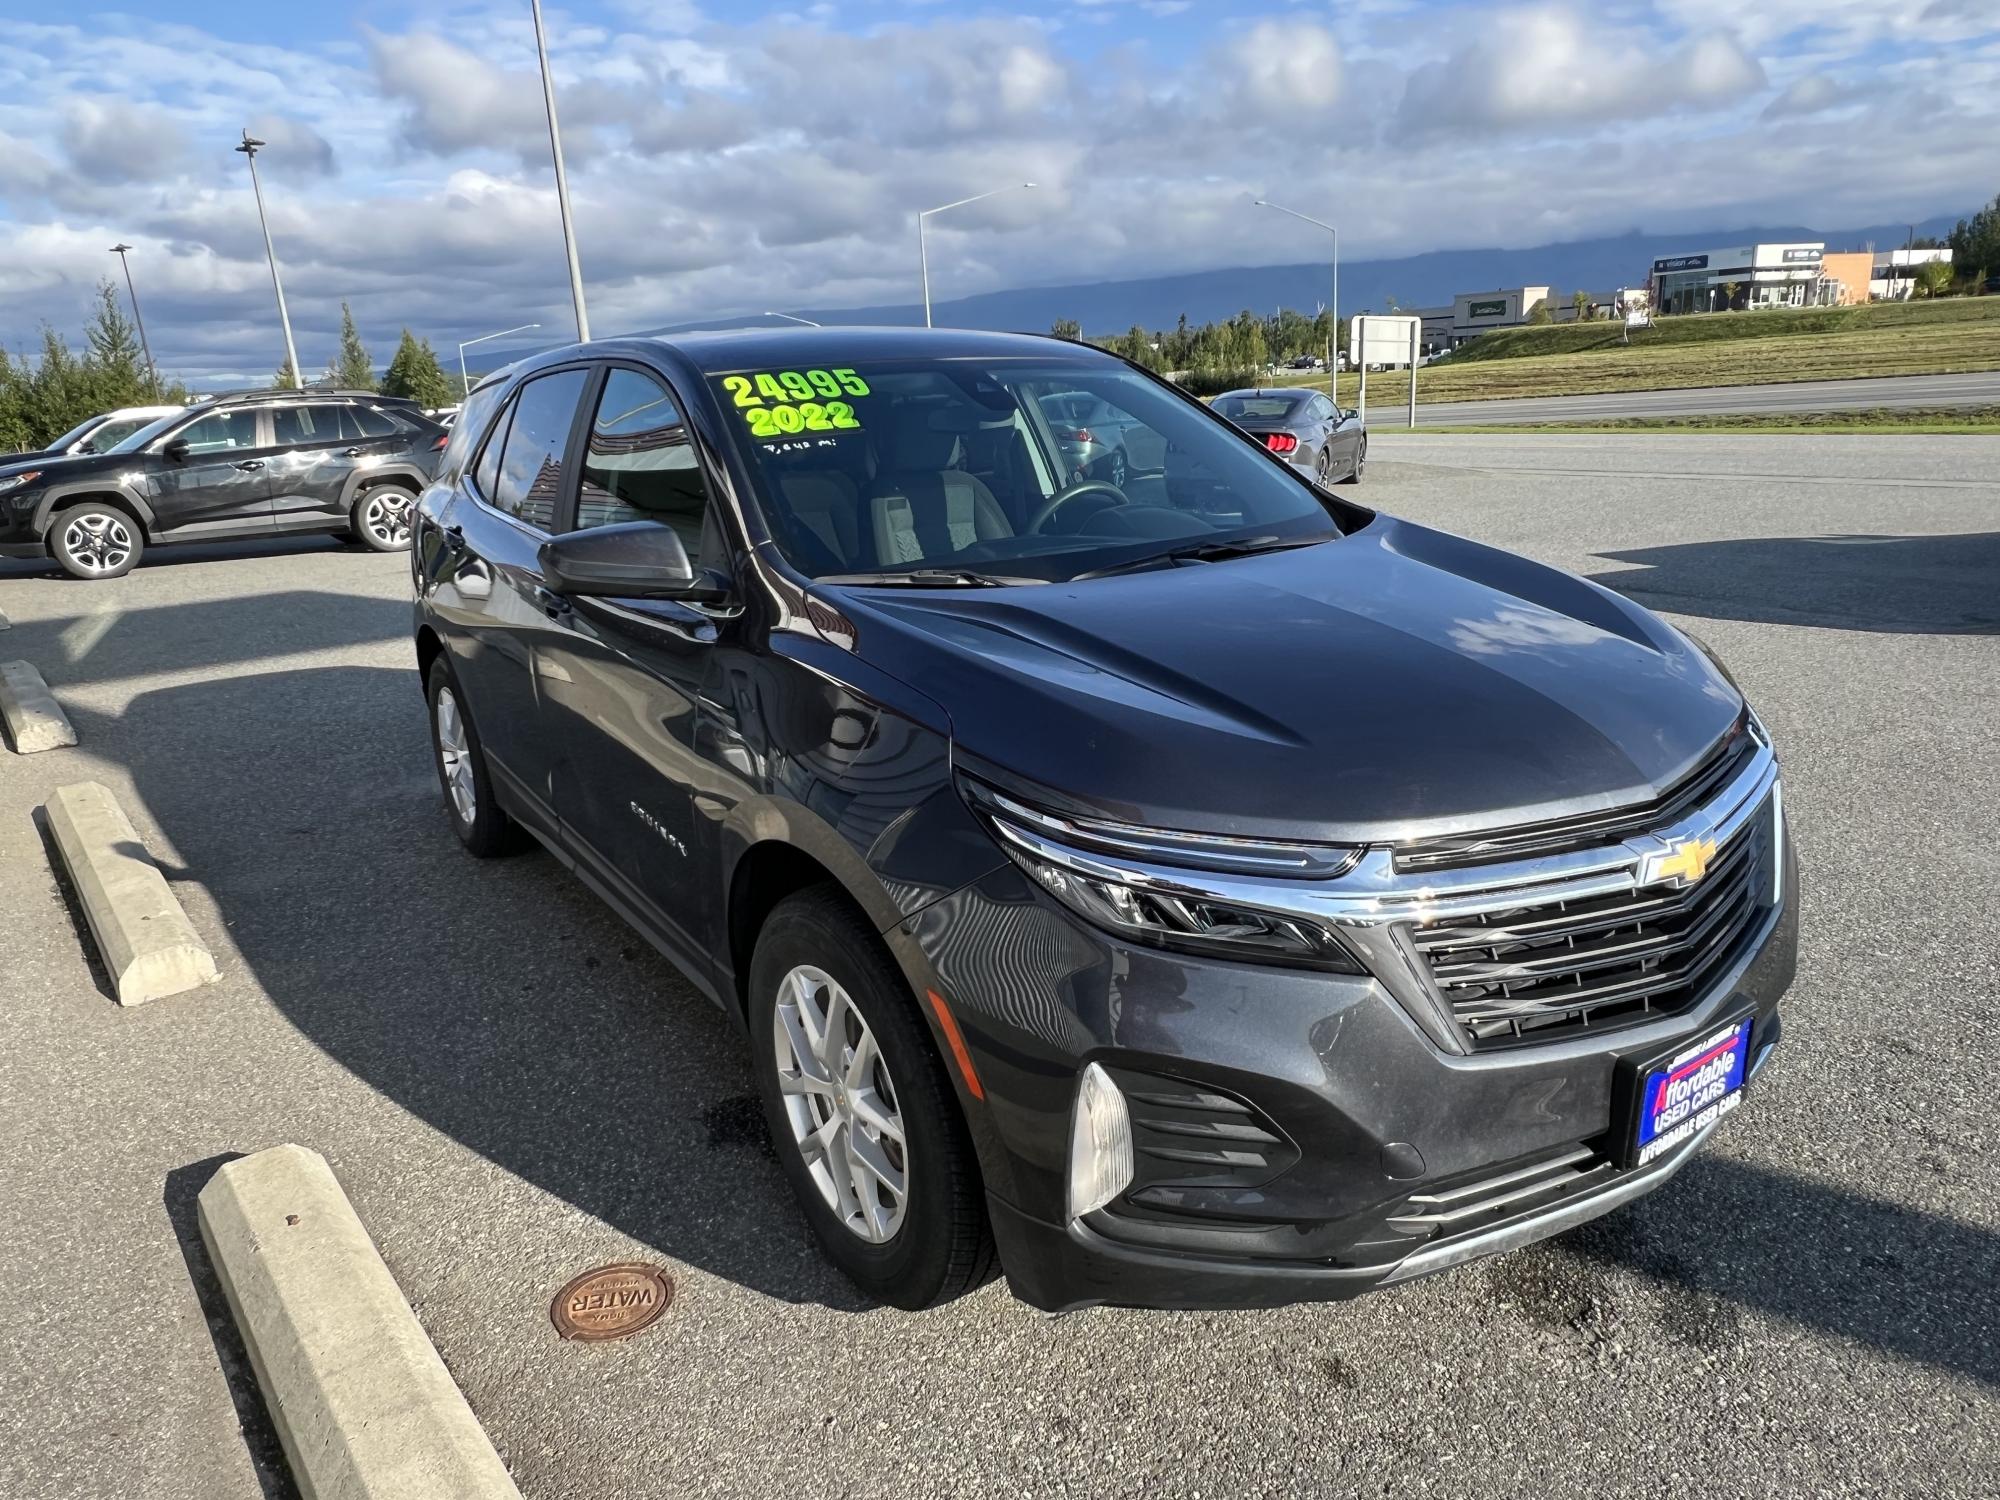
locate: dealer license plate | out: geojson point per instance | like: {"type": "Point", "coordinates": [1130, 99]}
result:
{"type": "Point", "coordinates": [1682, 1096]}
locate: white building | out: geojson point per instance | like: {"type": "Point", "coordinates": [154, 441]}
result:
{"type": "Point", "coordinates": [1737, 277]}
{"type": "Point", "coordinates": [1894, 277]}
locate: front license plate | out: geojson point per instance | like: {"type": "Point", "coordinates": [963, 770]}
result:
{"type": "Point", "coordinates": [1688, 1092]}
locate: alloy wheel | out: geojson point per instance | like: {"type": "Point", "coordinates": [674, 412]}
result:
{"type": "Point", "coordinates": [841, 1104]}
{"type": "Point", "coordinates": [455, 755]}
{"type": "Point", "coordinates": [385, 513]}
{"type": "Point", "coordinates": [97, 543]}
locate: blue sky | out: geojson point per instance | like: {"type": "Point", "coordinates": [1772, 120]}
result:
{"type": "Point", "coordinates": [732, 155]}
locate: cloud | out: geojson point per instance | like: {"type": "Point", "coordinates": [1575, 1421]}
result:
{"type": "Point", "coordinates": [1280, 68]}
{"type": "Point", "coordinates": [294, 150]}
{"type": "Point", "coordinates": [1547, 67]}
{"type": "Point", "coordinates": [1813, 94]}
{"type": "Point", "coordinates": [109, 140]}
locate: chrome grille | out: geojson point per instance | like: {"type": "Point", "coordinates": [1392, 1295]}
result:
{"type": "Point", "coordinates": [1543, 968]}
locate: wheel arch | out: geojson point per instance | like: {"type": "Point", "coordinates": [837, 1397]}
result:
{"type": "Point", "coordinates": [85, 492]}
{"type": "Point", "coordinates": [764, 874]}
{"type": "Point", "coordinates": [407, 476]}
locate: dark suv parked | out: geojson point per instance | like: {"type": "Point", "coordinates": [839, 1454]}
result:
{"type": "Point", "coordinates": [1204, 889]}
{"type": "Point", "coordinates": [261, 464]}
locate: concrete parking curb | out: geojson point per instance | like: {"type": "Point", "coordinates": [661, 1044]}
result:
{"type": "Point", "coordinates": [143, 936]}
{"type": "Point", "coordinates": [5, 623]}
{"type": "Point", "coordinates": [35, 721]}
{"type": "Point", "coordinates": [363, 1405]}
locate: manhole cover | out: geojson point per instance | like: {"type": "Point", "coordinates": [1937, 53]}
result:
{"type": "Point", "coordinates": [612, 1301]}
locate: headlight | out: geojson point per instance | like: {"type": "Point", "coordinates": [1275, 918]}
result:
{"type": "Point", "coordinates": [15, 481]}
{"type": "Point", "coordinates": [1169, 890]}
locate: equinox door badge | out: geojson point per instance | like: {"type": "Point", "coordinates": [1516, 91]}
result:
{"type": "Point", "coordinates": [658, 827]}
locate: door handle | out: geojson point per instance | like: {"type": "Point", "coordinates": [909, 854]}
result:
{"type": "Point", "coordinates": [350, 453]}
{"type": "Point", "coordinates": [251, 463]}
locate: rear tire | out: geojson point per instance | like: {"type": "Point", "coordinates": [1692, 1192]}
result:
{"type": "Point", "coordinates": [94, 541]}
{"type": "Point", "coordinates": [935, 1245]}
{"type": "Point", "coordinates": [380, 520]}
{"type": "Point", "coordinates": [481, 824]}
{"type": "Point", "coordinates": [1360, 462]}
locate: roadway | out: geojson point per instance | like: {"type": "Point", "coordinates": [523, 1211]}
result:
{"type": "Point", "coordinates": [1979, 388]}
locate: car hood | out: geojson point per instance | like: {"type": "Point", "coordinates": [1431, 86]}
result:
{"type": "Point", "coordinates": [1396, 683]}
{"type": "Point", "coordinates": [68, 463]}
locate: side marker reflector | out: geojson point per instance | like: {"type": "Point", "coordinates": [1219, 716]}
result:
{"type": "Point", "coordinates": [955, 1039]}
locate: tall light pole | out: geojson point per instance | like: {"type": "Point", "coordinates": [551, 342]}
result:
{"type": "Point", "coordinates": [790, 319]}
{"type": "Point", "coordinates": [465, 380]}
{"type": "Point", "coordinates": [1333, 323]}
{"type": "Point", "coordinates": [152, 370]}
{"type": "Point", "coordinates": [923, 254]}
{"type": "Point", "coordinates": [562, 179]}
{"type": "Point", "coordinates": [249, 150]}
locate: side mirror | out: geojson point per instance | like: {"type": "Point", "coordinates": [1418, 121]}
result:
{"type": "Point", "coordinates": [177, 450]}
{"type": "Point", "coordinates": [634, 560]}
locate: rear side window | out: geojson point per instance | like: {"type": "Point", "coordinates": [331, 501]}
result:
{"type": "Point", "coordinates": [530, 477]}
{"type": "Point", "coordinates": [469, 428]}
{"type": "Point", "coordinates": [299, 425]}
{"type": "Point", "coordinates": [370, 423]}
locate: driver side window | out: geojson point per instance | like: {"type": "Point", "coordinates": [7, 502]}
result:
{"type": "Point", "coordinates": [640, 465]}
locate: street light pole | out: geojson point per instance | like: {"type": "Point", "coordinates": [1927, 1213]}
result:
{"type": "Point", "coordinates": [152, 370]}
{"type": "Point", "coordinates": [1333, 324]}
{"type": "Point", "coordinates": [249, 150]}
{"type": "Point", "coordinates": [465, 380]}
{"type": "Point", "coordinates": [562, 179]}
{"type": "Point", "coordinates": [923, 254]}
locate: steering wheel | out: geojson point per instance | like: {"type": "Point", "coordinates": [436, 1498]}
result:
{"type": "Point", "coordinates": [1068, 493]}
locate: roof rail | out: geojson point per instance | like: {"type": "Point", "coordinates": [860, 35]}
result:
{"type": "Point", "coordinates": [305, 393]}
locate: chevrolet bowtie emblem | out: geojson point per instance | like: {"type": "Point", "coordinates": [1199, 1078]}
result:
{"type": "Point", "coordinates": [1687, 861]}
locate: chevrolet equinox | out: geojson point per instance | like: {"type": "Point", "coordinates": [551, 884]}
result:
{"type": "Point", "coordinates": [1198, 890]}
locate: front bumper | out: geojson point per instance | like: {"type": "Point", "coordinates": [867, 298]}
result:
{"type": "Point", "coordinates": [1374, 1123]}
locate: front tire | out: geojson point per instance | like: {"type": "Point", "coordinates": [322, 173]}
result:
{"type": "Point", "coordinates": [380, 519]}
{"type": "Point", "coordinates": [94, 542]}
{"type": "Point", "coordinates": [864, 1118]}
{"type": "Point", "coordinates": [481, 824]}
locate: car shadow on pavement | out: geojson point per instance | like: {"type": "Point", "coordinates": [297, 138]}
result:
{"type": "Point", "coordinates": [1910, 585]}
{"type": "Point", "coordinates": [1726, 1235]}
{"type": "Point", "coordinates": [260, 1435]}
{"type": "Point", "coordinates": [111, 642]}
{"type": "Point", "coordinates": [498, 1001]}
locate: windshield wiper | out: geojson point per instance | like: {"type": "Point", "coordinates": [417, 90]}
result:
{"type": "Point", "coordinates": [1206, 552]}
{"type": "Point", "coordinates": [929, 578]}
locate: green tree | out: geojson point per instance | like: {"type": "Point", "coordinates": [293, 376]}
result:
{"type": "Point", "coordinates": [1976, 241]}
{"type": "Point", "coordinates": [286, 379]}
{"type": "Point", "coordinates": [114, 372]}
{"type": "Point", "coordinates": [415, 373]}
{"type": "Point", "coordinates": [351, 369]}
{"type": "Point", "coordinates": [1731, 290]}
{"type": "Point", "coordinates": [1067, 328]}
{"type": "Point", "coordinates": [1540, 314]}
{"type": "Point", "coordinates": [1934, 278]}
{"type": "Point", "coordinates": [1581, 302]}
{"type": "Point", "coordinates": [14, 382]}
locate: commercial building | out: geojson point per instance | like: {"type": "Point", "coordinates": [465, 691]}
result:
{"type": "Point", "coordinates": [1893, 277]}
{"type": "Point", "coordinates": [1738, 277]}
{"type": "Point", "coordinates": [1845, 277]}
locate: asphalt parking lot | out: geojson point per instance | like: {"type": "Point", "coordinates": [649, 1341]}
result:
{"type": "Point", "coordinates": [513, 1088]}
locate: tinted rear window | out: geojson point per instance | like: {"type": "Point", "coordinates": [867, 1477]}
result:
{"type": "Point", "coordinates": [1257, 408]}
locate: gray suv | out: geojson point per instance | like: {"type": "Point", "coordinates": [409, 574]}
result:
{"type": "Point", "coordinates": [264, 463]}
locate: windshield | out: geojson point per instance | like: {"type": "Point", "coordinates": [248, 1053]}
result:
{"type": "Point", "coordinates": [931, 467]}
{"type": "Point", "coordinates": [144, 435]}
{"type": "Point", "coordinates": [114, 432]}
{"type": "Point", "coordinates": [1255, 408]}
{"type": "Point", "coordinates": [61, 444]}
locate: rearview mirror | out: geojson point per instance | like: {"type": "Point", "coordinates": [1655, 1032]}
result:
{"type": "Point", "coordinates": [634, 560]}
{"type": "Point", "coordinates": [177, 449]}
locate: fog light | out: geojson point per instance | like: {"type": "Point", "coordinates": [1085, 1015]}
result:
{"type": "Point", "coordinates": [1100, 1143]}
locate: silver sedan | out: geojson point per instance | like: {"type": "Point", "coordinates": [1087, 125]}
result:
{"type": "Point", "coordinates": [1302, 427]}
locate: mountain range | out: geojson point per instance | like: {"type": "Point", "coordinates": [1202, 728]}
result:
{"type": "Point", "coordinates": [1427, 280]}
